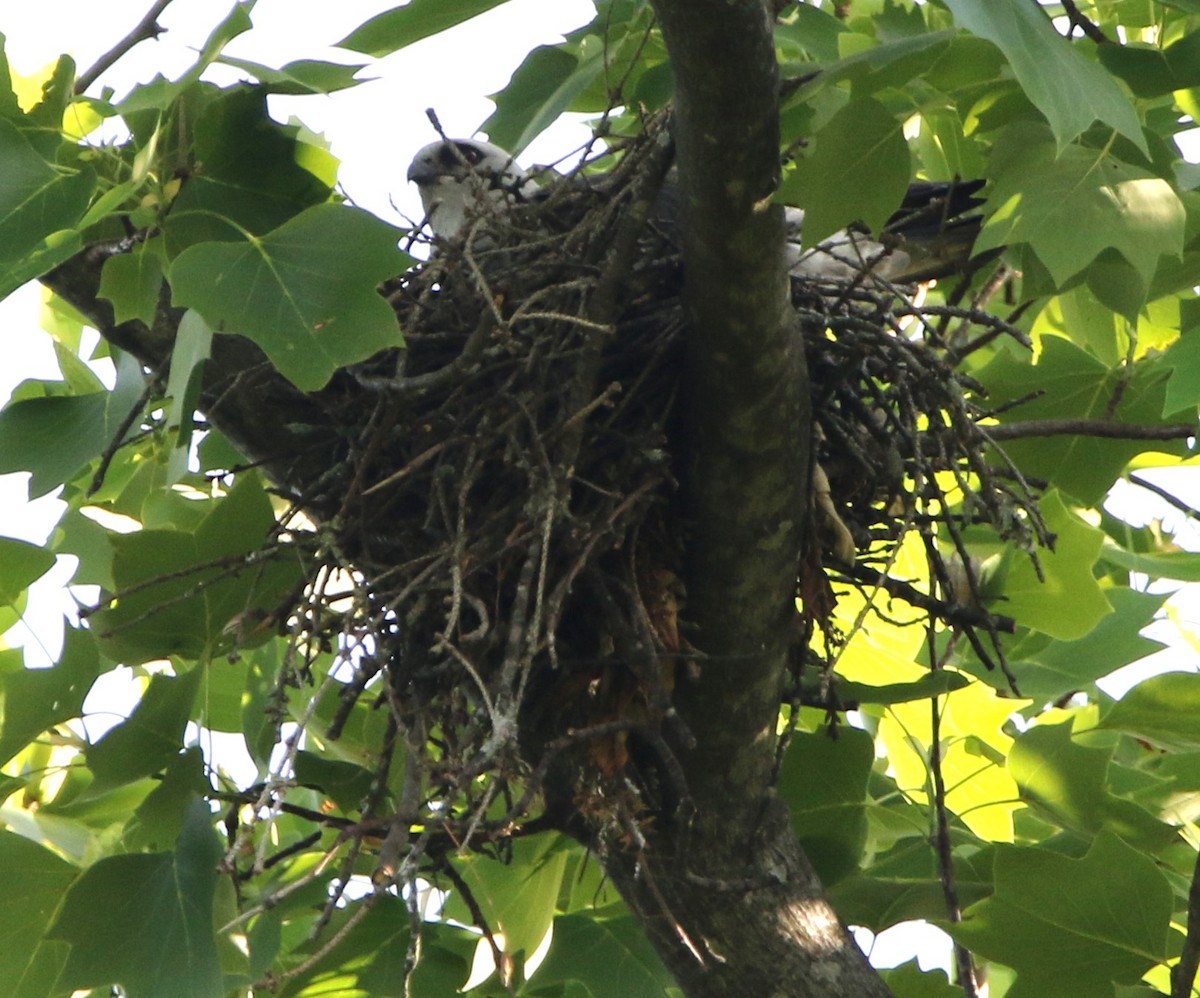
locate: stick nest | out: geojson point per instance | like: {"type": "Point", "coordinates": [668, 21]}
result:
{"type": "Point", "coordinates": [507, 503]}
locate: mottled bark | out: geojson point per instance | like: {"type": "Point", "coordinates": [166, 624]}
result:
{"type": "Point", "coordinates": [726, 894]}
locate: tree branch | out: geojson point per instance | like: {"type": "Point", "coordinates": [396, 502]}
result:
{"type": "Point", "coordinates": [1089, 428]}
{"type": "Point", "coordinates": [1084, 24]}
{"type": "Point", "coordinates": [145, 30]}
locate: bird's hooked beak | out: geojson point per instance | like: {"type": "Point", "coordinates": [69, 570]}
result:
{"type": "Point", "coordinates": [423, 172]}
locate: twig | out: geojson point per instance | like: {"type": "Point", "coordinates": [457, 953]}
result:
{"type": "Point", "coordinates": [1183, 974]}
{"type": "Point", "coordinates": [1090, 428]}
{"type": "Point", "coordinates": [146, 29]}
{"type": "Point", "coordinates": [956, 614]}
{"type": "Point", "coordinates": [1084, 24]}
{"type": "Point", "coordinates": [962, 956]}
{"type": "Point", "coordinates": [153, 385]}
{"type": "Point", "coordinates": [1189, 511]}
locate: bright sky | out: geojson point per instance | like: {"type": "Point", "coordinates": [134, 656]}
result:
{"type": "Point", "coordinates": [374, 130]}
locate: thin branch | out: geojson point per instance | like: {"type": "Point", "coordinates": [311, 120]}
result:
{"type": "Point", "coordinates": [1089, 428]}
{"type": "Point", "coordinates": [957, 614]}
{"type": "Point", "coordinates": [146, 29]}
{"type": "Point", "coordinates": [1189, 511]}
{"type": "Point", "coordinates": [964, 965]}
{"type": "Point", "coordinates": [1084, 24]}
{"type": "Point", "coordinates": [1183, 975]}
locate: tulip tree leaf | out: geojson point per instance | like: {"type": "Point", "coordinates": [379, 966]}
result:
{"type": "Point", "coordinates": [305, 292]}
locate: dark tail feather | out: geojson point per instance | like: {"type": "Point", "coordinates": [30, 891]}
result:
{"type": "Point", "coordinates": [936, 227]}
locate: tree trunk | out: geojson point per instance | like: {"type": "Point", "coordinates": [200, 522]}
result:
{"type": "Point", "coordinates": [725, 892]}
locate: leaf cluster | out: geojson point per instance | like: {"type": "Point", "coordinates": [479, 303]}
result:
{"type": "Point", "coordinates": [475, 462]}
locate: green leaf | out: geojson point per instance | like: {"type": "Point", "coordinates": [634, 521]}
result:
{"type": "Point", "coordinates": [343, 782]}
{"type": "Point", "coordinates": [811, 30]}
{"type": "Point", "coordinates": [21, 564]}
{"type": "Point", "coordinates": [54, 437]}
{"type": "Point", "coordinates": [1183, 566]}
{"type": "Point", "coordinates": [1069, 89]}
{"type": "Point", "coordinates": [146, 921]}
{"type": "Point", "coordinates": [931, 685]}
{"type": "Point", "coordinates": [610, 956]}
{"type": "Point", "coordinates": [193, 345]}
{"type": "Point", "coordinates": [1069, 602]}
{"type": "Point", "coordinates": [304, 76]}
{"type": "Point", "coordinates": [1068, 783]}
{"type": "Point", "coordinates": [370, 961]}
{"type": "Point", "coordinates": [305, 292]}
{"type": "Point", "coordinates": [34, 881]}
{"type": "Point", "coordinates": [1183, 356]}
{"type": "Point", "coordinates": [1047, 668]}
{"type": "Point", "coordinates": [1074, 384]}
{"type": "Point", "coordinates": [824, 782]}
{"type": "Point", "coordinates": [150, 738]}
{"type": "Point", "coordinates": [543, 86]}
{"type": "Point", "coordinates": [1151, 72]}
{"type": "Point", "coordinates": [236, 194]}
{"type": "Point", "coordinates": [401, 26]}
{"type": "Point", "coordinates": [1164, 710]}
{"type": "Point", "coordinates": [1072, 927]}
{"type": "Point", "coordinates": [908, 980]}
{"type": "Point", "coordinates": [905, 884]}
{"type": "Point", "coordinates": [159, 818]}
{"type": "Point", "coordinates": [857, 171]}
{"type": "Point", "coordinates": [1071, 204]}
{"type": "Point", "coordinates": [38, 200]}
{"type": "Point", "coordinates": [133, 282]}
{"type": "Point", "coordinates": [34, 700]}
{"type": "Point", "coordinates": [517, 897]}
{"type": "Point", "coordinates": [196, 592]}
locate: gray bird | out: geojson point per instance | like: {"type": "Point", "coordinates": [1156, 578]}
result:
{"type": "Point", "coordinates": [462, 178]}
{"type": "Point", "coordinates": [929, 237]}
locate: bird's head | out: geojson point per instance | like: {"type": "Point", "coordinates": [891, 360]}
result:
{"type": "Point", "coordinates": [457, 174]}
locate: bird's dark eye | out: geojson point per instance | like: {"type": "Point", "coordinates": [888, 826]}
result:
{"type": "Point", "coordinates": [470, 153]}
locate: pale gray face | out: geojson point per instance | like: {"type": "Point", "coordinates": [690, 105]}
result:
{"type": "Point", "coordinates": [461, 175]}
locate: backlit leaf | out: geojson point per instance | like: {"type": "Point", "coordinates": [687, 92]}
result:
{"type": "Point", "coordinates": [1069, 89]}
{"type": "Point", "coordinates": [146, 921]}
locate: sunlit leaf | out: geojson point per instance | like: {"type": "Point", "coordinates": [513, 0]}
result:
{"type": "Point", "coordinates": [1072, 204]}
{"type": "Point", "coordinates": [1068, 88]}
{"type": "Point", "coordinates": [1069, 782]}
{"type": "Point", "coordinates": [1163, 709]}
{"type": "Point", "coordinates": [1072, 927]}
{"type": "Point", "coordinates": [1066, 601]}
{"type": "Point", "coordinates": [1068, 383]}
{"type": "Point", "coordinates": [610, 955]}
{"type": "Point", "coordinates": [517, 898]}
